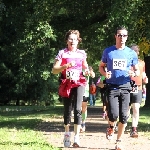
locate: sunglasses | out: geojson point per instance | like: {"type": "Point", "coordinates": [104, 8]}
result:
{"type": "Point", "coordinates": [121, 35]}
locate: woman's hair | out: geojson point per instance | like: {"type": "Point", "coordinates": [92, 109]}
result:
{"type": "Point", "coordinates": [73, 32]}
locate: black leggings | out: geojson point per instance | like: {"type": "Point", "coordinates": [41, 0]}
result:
{"type": "Point", "coordinates": [118, 105]}
{"type": "Point", "coordinates": [76, 97]}
{"type": "Point", "coordinates": [104, 96]}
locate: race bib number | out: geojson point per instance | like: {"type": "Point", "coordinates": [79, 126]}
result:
{"type": "Point", "coordinates": [72, 74]}
{"type": "Point", "coordinates": [120, 64]}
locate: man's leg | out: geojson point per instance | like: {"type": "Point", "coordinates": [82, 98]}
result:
{"type": "Point", "coordinates": [113, 111]}
{"type": "Point", "coordinates": [135, 116]}
{"type": "Point", "coordinates": [123, 110]}
{"type": "Point", "coordinates": [124, 100]}
{"type": "Point", "coordinates": [137, 99]}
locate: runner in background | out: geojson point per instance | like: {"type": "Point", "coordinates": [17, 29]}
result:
{"type": "Point", "coordinates": [144, 93]}
{"type": "Point", "coordinates": [92, 94]}
{"type": "Point", "coordinates": [136, 96]}
{"type": "Point", "coordinates": [103, 91]}
{"type": "Point", "coordinates": [85, 99]}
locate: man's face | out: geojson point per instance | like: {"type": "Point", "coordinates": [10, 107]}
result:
{"type": "Point", "coordinates": [121, 36]}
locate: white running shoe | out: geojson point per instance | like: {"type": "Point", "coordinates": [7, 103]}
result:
{"type": "Point", "coordinates": [76, 142]}
{"type": "Point", "coordinates": [82, 129]}
{"type": "Point", "coordinates": [118, 145]}
{"type": "Point", "coordinates": [66, 140]}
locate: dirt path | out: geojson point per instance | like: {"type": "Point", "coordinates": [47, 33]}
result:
{"type": "Point", "coordinates": [94, 137]}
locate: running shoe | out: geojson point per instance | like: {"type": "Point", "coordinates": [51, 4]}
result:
{"type": "Point", "coordinates": [76, 142]}
{"type": "Point", "coordinates": [66, 140]}
{"type": "Point", "coordinates": [134, 134]}
{"type": "Point", "coordinates": [118, 145]}
{"type": "Point", "coordinates": [82, 129]}
{"type": "Point", "coordinates": [109, 133]}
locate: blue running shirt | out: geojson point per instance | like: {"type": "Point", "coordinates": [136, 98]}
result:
{"type": "Point", "coordinates": [119, 62]}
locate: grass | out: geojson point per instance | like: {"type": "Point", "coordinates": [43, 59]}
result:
{"type": "Point", "coordinates": [18, 126]}
{"type": "Point", "coordinates": [144, 121]}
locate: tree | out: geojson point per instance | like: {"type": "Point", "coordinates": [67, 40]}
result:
{"type": "Point", "coordinates": [33, 32]}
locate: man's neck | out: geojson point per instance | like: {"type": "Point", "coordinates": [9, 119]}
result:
{"type": "Point", "coordinates": [120, 46]}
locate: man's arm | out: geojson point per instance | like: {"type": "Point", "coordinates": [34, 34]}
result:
{"type": "Point", "coordinates": [102, 68]}
{"type": "Point", "coordinates": [104, 72]}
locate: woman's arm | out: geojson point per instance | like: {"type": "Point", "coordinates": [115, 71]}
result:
{"type": "Point", "coordinates": [84, 64]}
{"type": "Point", "coordinates": [57, 68]}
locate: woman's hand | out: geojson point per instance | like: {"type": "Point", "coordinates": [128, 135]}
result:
{"type": "Point", "coordinates": [108, 75]}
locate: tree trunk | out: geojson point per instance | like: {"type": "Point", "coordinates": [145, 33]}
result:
{"type": "Point", "coordinates": [147, 69]}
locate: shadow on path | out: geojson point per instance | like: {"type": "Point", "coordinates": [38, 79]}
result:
{"type": "Point", "coordinates": [94, 137]}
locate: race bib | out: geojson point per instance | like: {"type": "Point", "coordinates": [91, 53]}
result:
{"type": "Point", "coordinates": [72, 74]}
{"type": "Point", "coordinates": [120, 64]}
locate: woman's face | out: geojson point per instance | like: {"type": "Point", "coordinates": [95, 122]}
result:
{"type": "Point", "coordinates": [72, 41]}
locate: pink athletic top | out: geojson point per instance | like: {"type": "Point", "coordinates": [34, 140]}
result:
{"type": "Point", "coordinates": [65, 56]}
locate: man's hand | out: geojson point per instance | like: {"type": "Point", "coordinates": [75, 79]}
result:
{"type": "Point", "coordinates": [134, 73]}
{"type": "Point", "coordinates": [131, 73]}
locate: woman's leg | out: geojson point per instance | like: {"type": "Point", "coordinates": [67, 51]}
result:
{"type": "Point", "coordinates": [77, 105]}
{"type": "Point", "coordinates": [67, 110]}
{"type": "Point", "coordinates": [84, 113]}
{"type": "Point", "coordinates": [77, 113]}
{"type": "Point", "coordinates": [67, 113]}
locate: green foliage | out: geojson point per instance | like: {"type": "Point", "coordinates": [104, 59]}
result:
{"type": "Point", "coordinates": [32, 32]}
{"type": "Point", "coordinates": [18, 127]}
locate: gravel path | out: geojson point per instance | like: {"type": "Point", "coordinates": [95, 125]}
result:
{"type": "Point", "coordinates": [94, 137]}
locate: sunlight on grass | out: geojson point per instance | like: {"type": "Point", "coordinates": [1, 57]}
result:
{"type": "Point", "coordinates": [144, 122]}
{"type": "Point", "coordinates": [23, 140]}
{"type": "Point", "coordinates": [18, 126]}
